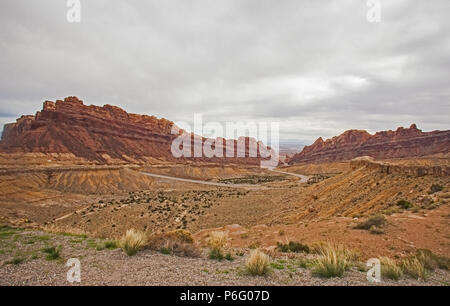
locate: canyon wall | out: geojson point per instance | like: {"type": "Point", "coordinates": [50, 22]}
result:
{"type": "Point", "coordinates": [103, 135]}
{"type": "Point", "coordinates": [403, 142]}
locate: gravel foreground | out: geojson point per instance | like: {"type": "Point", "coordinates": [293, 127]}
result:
{"type": "Point", "coordinates": [149, 268]}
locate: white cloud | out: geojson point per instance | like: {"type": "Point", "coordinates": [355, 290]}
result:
{"type": "Point", "coordinates": [317, 67]}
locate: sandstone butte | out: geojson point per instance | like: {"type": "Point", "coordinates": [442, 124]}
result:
{"type": "Point", "coordinates": [102, 134]}
{"type": "Point", "coordinates": [403, 142]}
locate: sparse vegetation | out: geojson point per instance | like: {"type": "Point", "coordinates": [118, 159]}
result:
{"type": "Point", "coordinates": [111, 244]}
{"type": "Point", "coordinates": [316, 178]}
{"type": "Point", "coordinates": [414, 267]}
{"type": "Point", "coordinates": [391, 210]}
{"type": "Point", "coordinates": [178, 242]}
{"type": "Point", "coordinates": [277, 265]}
{"type": "Point", "coordinates": [216, 254]}
{"type": "Point", "coordinates": [229, 257]}
{"type": "Point", "coordinates": [432, 261]}
{"type": "Point", "coordinates": [15, 261]}
{"type": "Point", "coordinates": [165, 250]}
{"type": "Point", "coordinates": [293, 246]}
{"type": "Point", "coordinates": [52, 252]}
{"type": "Point", "coordinates": [253, 179]}
{"type": "Point", "coordinates": [376, 230]}
{"type": "Point", "coordinates": [305, 263]}
{"type": "Point", "coordinates": [133, 241]}
{"type": "Point", "coordinates": [257, 263]}
{"type": "Point", "coordinates": [390, 269]}
{"type": "Point", "coordinates": [6, 231]}
{"type": "Point", "coordinates": [216, 242]}
{"type": "Point", "coordinates": [375, 224]}
{"type": "Point", "coordinates": [436, 188]}
{"type": "Point", "coordinates": [333, 260]}
{"type": "Point", "coordinates": [404, 204]}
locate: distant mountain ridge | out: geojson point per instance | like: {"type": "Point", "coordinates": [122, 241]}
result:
{"type": "Point", "coordinates": [403, 142]}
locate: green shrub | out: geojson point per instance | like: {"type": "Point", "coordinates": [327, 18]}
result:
{"type": "Point", "coordinates": [277, 265]}
{"type": "Point", "coordinates": [404, 204]}
{"type": "Point", "coordinates": [111, 245]}
{"type": "Point", "coordinates": [229, 257]}
{"type": "Point", "coordinates": [282, 247]}
{"type": "Point", "coordinates": [293, 246]}
{"type": "Point", "coordinates": [165, 250]}
{"type": "Point", "coordinates": [52, 252]}
{"type": "Point", "coordinates": [216, 254]}
{"type": "Point", "coordinates": [15, 261]}
{"type": "Point", "coordinates": [297, 247]}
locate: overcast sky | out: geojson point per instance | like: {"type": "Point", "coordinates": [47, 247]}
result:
{"type": "Point", "coordinates": [317, 67]}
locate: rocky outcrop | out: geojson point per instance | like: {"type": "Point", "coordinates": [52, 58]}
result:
{"type": "Point", "coordinates": [101, 134]}
{"type": "Point", "coordinates": [404, 142]}
{"type": "Point", "coordinates": [404, 170]}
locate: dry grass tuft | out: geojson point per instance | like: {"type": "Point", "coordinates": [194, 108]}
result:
{"type": "Point", "coordinates": [414, 268]}
{"type": "Point", "coordinates": [390, 269]}
{"type": "Point", "coordinates": [374, 224]}
{"type": "Point", "coordinates": [133, 241]}
{"type": "Point", "coordinates": [432, 261]}
{"type": "Point", "coordinates": [333, 260]}
{"type": "Point", "coordinates": [217, 240]}
{"type": "Point", "coordinates": [257, 263]}
{"type": "Point", "coordinates": [178, 242]}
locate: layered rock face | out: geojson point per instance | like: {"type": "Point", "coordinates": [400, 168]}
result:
{"type": "Point", "coordinates": [100, 134]}
{"type": "Point", "coordinates": [404, 142]}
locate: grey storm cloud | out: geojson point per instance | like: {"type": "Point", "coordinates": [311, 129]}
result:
{"type": "Point", "coordinates": [317, 67]}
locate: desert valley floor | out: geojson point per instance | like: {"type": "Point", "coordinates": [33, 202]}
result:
{"type": "Point", "coordinates": [81, 209]}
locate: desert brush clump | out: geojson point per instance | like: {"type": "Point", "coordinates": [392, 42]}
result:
{"type": "Point", "coordinates": [390, 269]}
{"type": "Point", "coordinates": [15, 261]}
{"type": "Point", "coordinates": [404, 204]}
{"type": "Point", "coordinates": [375, 224]}
{"type": "Point", "coordinates": [424, 261]}
{"type": "Point", "coordinates": [110, 244]}
{"type": "Point", "coordinates": [414, 267]}
{"type": "Point", "coordinates": [333, 260]}
{"type": "Point", "coordinates": [432, 261]}
{"type": "Point", "coordinates": [178, 242]}
{"type": "Point", "coordinates": [217, 241]}
{"type": "Point", "coordinates": [292, 246]}
{"type": "Point", "coordinates": [52, 252]}
{"type": "Point", "coordinates": [436, 188]}
{"type": "Point", "coordinates": [133, 241]}
{"type": "Point", "coordinates": [257, 263]}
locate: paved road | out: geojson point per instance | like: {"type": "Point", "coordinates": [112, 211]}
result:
{"type": "Point", "coordinates": [201, 182]}
{"type": "Point", "coordinates": [303, 178]}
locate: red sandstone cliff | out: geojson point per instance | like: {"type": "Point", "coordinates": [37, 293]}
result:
{"type": "Point", "coordinates": [98, 134]}
{"type": "Point", "coordinates": [404, 142]}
